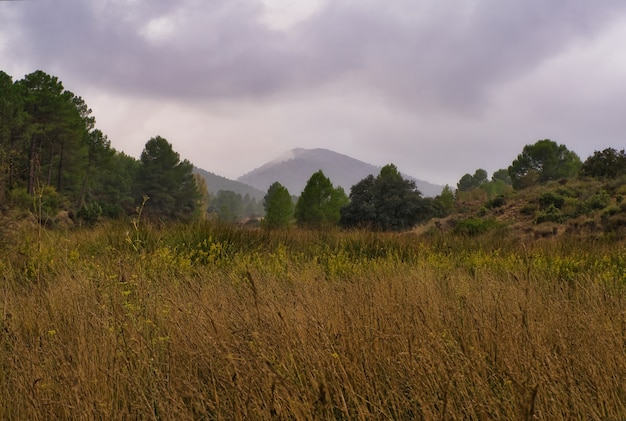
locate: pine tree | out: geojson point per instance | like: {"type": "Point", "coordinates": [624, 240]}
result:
{"type": "Point", "coordinates": [278, 207]}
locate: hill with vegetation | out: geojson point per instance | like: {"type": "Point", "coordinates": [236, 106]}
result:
{"type": "Point", "coordinates": [578, 208]}
{"type": "Point", "coordinates": [215, 183]}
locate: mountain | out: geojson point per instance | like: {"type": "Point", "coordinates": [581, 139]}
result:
{"type": "Point", "coordinates": [294, 168]}
{"type": "Point", "coordinates": [216, 183]}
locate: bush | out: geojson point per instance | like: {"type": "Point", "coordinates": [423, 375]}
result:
{"type": "Point", "coordinates": [90, 213]}
{"type": "Point", "coordinates": [497, 202]}
{"type": "Point", "coordinates": [474, 226]}
{"type": "Point", "coordinates": [550, 214]}
{"type": "Point", "coordinates": [598, 201]}
{"type": "Point", "coordinates": [551, 199]}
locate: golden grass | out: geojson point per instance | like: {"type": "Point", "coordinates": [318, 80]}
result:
{"type": "Point", "coordinates": [303, 325]}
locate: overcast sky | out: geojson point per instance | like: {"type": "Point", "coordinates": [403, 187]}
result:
{"type": "Point", "coordinates": [437, 87]}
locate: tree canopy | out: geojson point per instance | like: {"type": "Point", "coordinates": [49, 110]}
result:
{"type": "Point", "coordinates": [385, 202]}
{"type": "Point", "coordinates": [320, 203]}
{"type": "Point", "coordinates": [543, 161]}
{"type": "Point", "coordinates": [608, 163]}
{"type": "Point", "coordinates": [278, 207]}
{"type": "Point", "coordinates": [469, 182]}
{"type": "Point", "coordinates": [167, 181]}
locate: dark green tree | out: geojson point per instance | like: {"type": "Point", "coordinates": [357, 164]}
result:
{"type": "Point", "coordinates": [543, 161]}
{"type": "Point", "coordinates": [57, 122]}
{"type": "Point", "coordinates": [469, 182]}
{"type": "Point", "coordinates": [115, 192]}
{"type": "Point", "coordinates": [167, 181]}
{"type": "Point", "coordinates": [361, 211]}
{"type": "Point", "coordinates": [387, 202]}
{"type": "Point", "coordinates": [11, 116]}
{"type": "Point", "coordinates": [608, 163]}
{"type": "Point", "coordinates": [501, 175]}
{"type": "Point", "coordinates": [278, 207]}
{"type": "Point", "coordinates": [320, 203]}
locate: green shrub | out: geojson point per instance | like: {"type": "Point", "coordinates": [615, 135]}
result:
{"type": "Point", "coordinates": [598, 201]}
{"type": "Point", "coordinates": [90, 213]}
{"type": "Point", "coordinates": [474, 226]}
{"type": "Point", "coordinates": [20, 199]}
{"type": "Point", "coordinates": [497, 202]}
{"type": "Point", "coordinates": [551, 199]}
{"type": "Point", "coordinates": [550, 214]}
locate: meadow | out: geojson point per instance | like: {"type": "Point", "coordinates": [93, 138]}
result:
{"type": "Point", "coordinates": [214, 322]}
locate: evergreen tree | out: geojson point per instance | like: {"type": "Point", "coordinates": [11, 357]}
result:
{"type": "Point", "coordinates": [278, 207]}
{"type": "Point", "coordinates": [469, 182]}
{"type": "Point", "coordinates": [543, 161]}
{"type": "Point", "coordinates": [57, 122]}
{"type": "Point", "coordinates": [387, 202]}
{"type": "Point", "coordinates": [11, 116]}
{"type": "Point", "coordinates": [167, 181]}
{"type": "Point", "coordinates": [608, 163]}
{"type": "Point", "coordinates": [320, 203]}
{"type": "Point", "coordinates": [501, 175]}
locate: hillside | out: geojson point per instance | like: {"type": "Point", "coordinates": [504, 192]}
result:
{"type": "Point", "coordinates": [216, 183]}
{"type": "Point", "coordinates": [575, 207]}
{"type": "Point", "coordinates": [294, 168]}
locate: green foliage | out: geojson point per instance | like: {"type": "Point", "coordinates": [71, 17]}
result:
{"type": "Point", "coordinates": [168, 181]}
{"type": "Point", "coordinates": [475, 226]}
{"type": "Point", "coordinates": [48, 200]}
{"type": "Point", "coordinates": [20, 199]}
{"type": "Point", "coordinates": [320, 203]}
{"type": "Point", "coordinates": [229, 205]}
{"type": "Point", "coordinates": [550, 214]}
{"type": "Point", "coordinates": [608, 163]}
{"type": "Point", "coordinates": [57, 121]}
{"type": "Point", "coordinates": [446, 200]}
{"type": "Point", "coordinates": [551, 198]}
{"type": "Point", "coordinates": [497, 202]}
{"type": "Point", "coordinates": [11, 143]}
{"type": "Point", "coordinates": [496, 188]}
{"type": "Point", "coordinates": [543, 161]}
{"type": "Point", "coordinates": [469, 182]}
{"type": "Point", "coordinates": [387, 202]}
{"type": "Point", "coordinates": [598, 201]}
{"type": "Point", "coordinates": [501, 175]}
{"type": "Point", "coordinates": [47, 138]}
{"type": "Point", "coordinates": [278, 207]}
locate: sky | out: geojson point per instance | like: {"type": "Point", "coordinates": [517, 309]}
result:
{"type": "Point", "coordinates": [439, 88]}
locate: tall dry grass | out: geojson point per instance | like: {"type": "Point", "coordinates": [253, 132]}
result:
{"type": "Point", "coordinates": [218, 323]}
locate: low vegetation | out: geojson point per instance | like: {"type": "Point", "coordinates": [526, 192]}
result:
{"type": "Point", "coordinates": [130, 321]}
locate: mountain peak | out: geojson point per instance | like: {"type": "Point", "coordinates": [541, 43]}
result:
{"type": "Point", "coordinates": [293, 169]}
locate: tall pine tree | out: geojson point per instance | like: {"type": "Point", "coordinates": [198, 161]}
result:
{"type": "Point", "coordinates": [167, 181]}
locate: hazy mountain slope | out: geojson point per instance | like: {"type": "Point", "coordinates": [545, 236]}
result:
{"type": "Point", "coordinates": [294, 168]}
{"type": "Point", "coordinates": [216, 183]}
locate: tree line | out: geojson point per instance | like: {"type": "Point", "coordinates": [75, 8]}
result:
{"type": "Point", "coordinates": [389, 202]}
{"type": "Point", "coordinates": [53, 158]}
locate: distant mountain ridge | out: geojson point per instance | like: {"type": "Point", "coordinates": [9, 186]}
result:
{"type": "Point", "coordinates": [293, 169]}
{"type": "Point", "coordinates": [216, 183]}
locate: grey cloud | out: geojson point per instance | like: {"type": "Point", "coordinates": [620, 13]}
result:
{"type": "Point", "coordinates": [426, 54]}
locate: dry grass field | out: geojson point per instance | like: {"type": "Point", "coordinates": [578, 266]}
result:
{"type": "Point", "coordinates": [210, 322]}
